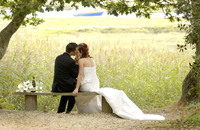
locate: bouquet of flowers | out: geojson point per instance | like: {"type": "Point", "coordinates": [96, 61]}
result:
{"type": "Point", "coordinates": [29, 86]}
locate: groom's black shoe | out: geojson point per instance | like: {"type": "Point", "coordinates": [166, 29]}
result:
{"type": "Point", "coordinates": [67, 112]}
{"type": "Point", "coordinates": [60, 111]}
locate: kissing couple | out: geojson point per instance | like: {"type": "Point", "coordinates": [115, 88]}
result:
{"type": "Point", "coordinates": [79, 74]}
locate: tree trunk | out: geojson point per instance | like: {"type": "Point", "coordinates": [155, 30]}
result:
{"type": "Point", "coordinates": [191, 84]}
{"type": "Point", "coordinates": [189, 90]}
{"type": "Point", "coordinates": [7, 33]}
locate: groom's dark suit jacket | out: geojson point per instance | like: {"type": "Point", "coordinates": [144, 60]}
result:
{"type": "Point", "coordinates": [65, 74]}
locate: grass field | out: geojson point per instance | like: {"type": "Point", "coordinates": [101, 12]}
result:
{"type": "Point", "coordinates": [138, 56]}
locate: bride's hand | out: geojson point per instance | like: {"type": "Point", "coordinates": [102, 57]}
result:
{"type": "Point", "coordinates": [75, 92]}
{"type": "Point", "coordinates": [77, 57]}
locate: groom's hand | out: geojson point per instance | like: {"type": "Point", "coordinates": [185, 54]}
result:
{"type": "Point", "coordinates": [75, 92]}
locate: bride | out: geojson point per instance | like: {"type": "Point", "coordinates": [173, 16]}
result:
{"type": "Point", "coordinates": [88, 81]}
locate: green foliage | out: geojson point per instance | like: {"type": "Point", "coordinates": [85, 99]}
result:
{"type": "Point", "coordinates": [146, 75]}
{"type": "Point", "coordinates": [192, 106]}
{"type": "Point", "coordinates": [5, 104]}
{"type": "Point", "coordinates": [139, 7]}
{"type": "Point", "coordinates": [183, 10]}
{"type": "Point", "coordinates": [146, 66]}
{"type": "Point", "coordinates": [24, 62]}
{"type": "Point", "coordinates": [18, 8]}
{"type": "Point", "coordinates": [106, 25]}
{"type": "Point", "coordinates": [188, 10]}
{"type": "Point", "coordinates": [148, 83]}
{"type": "Point", "coordinates": [114, 30]}
{"type": "Point", "coordinates": [194, 116]}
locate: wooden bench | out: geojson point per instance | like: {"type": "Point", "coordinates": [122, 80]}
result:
{"type": "Point", "coordinates": [31, 99]}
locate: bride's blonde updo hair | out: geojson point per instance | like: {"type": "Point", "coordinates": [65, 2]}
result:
{"type": "Point", "coordinates": [83, 48]}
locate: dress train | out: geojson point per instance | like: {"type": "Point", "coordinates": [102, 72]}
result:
{"type": "Point", "coordinates": [117, 99]}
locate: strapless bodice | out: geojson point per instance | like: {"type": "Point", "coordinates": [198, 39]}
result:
{"type": "Point", "coordinates": [89, 75]}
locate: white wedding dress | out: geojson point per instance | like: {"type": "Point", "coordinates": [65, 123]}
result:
{"type": "Point", "coordinates": [117, 99]}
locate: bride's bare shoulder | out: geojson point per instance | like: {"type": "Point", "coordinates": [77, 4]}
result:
{"type": "Point", "coordinates": [81, 60]}
{"type": "Point", "coordinates": [85, 59]}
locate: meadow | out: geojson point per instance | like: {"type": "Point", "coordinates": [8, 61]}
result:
{"type": "Point", "coordinates": [136, 55]}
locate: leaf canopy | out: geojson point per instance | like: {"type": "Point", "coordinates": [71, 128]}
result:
{"type": "Point", "coordinates": [174, 10]}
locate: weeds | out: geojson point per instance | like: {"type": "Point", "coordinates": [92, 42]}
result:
{"type": "Point", "coordinates": [147, 66]}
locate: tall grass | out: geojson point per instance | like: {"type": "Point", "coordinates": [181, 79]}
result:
{"type": "Point", "coordinates": [147, 66]}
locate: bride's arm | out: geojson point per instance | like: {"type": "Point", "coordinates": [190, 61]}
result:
{"type": "Point", "coordinates": [79, 78]}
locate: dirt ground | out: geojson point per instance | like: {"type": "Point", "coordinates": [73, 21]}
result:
{"type": "Point", "coordinates": [34, 120]}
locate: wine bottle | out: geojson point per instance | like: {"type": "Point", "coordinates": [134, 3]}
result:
{"type": "Point", "coordinates": [33, 82]}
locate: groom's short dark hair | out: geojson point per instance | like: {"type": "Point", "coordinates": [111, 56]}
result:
{"type": "Point", "coordinates": [71, 47]}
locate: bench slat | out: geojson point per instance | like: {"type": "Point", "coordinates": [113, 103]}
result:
{"type": "Point", "coordinates": [31, 99]}
{"type": "Point", "coordinates": [53, 93]}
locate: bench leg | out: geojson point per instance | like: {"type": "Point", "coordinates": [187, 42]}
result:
{"type": "Point", "coordinates": [30, 102]}
{"type": "Point", "coordinates": [105, 106]}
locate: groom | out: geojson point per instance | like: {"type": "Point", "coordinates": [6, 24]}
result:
{"type": "Point", "coordinates": [65, 74]}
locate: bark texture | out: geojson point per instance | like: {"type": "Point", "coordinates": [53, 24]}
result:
{"type": "Point", "coordinates": [189, 90]}
{"type": "Point", "coordinates": [8, 31]}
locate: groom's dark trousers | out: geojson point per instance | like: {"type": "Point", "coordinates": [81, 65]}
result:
{"type": "Point", "coordinates": [65, 74]}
